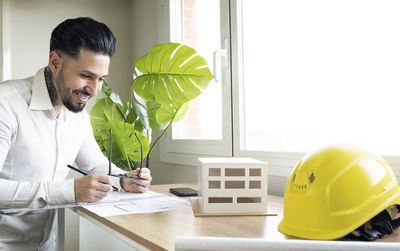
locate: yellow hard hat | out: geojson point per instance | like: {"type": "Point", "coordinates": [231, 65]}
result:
{"type": "Point", "coordinates": [335, 190]}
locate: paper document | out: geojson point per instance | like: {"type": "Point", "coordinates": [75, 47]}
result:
{"type": "Point", "coordinates": [116, 203]}
{"type": "Point", "coordinates": [121, 203]}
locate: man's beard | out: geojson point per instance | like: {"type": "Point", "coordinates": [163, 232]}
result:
{"type": "Point", "coordinates": [64, 92]}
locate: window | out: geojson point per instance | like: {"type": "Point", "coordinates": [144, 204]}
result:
{"type": "Point", "coordinates": [311, 73]}
{"type": "Point", "coordinates": [201, 30]}
{"type": "Point", "coordinates": [206, 128]}
{"type": "Point", "coordinates": [319, 72]}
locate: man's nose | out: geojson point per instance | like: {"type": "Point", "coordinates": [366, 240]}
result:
{"type": "Point", "coordinates": [94, 87]}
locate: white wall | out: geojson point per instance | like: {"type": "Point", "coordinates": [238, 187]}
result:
{"type": "Point", "coordinates": [144, 27]}
{"type": "Point", "coordinates": [27, 26]}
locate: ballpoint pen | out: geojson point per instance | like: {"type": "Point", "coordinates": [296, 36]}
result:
{"type": "Point", "coordinates": [82, 172]}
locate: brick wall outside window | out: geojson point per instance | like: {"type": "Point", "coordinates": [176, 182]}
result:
{"type": "Point", "coordinates": [190, 38]}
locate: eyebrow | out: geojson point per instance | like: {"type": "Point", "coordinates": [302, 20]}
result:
{"type": "Point", "coordinates": [91, 73]}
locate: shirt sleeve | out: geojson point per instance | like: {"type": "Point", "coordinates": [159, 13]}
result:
{"type": "Point", "coordinates": [26, 194]}
{"type": "Point", "coordinates": [91, 159]}
{"type": "Point", "coordinates": [7, 132]}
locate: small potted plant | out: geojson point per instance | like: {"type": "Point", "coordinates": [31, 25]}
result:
{"type": "Point", "coordinates": [166, 79]}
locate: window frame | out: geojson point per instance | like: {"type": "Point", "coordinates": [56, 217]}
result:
{"type": "Point", "coordinates": [186, 151]}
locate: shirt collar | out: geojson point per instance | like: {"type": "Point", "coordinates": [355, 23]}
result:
{"type": "Point", "coordinates": [40, 95]}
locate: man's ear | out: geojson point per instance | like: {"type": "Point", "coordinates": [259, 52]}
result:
{"type": "Point", "coordinates": [55, 62]}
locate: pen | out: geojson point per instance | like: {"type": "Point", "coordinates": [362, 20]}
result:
{"type": "Point", "coordinates": [82, 172]}
{"type": "Point", "coordinates": [141, 155]}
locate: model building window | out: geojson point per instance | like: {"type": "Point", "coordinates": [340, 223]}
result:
{"type": "Point", "coordinates": [214, 184]}
{"type": "Point", "coordinates": [214, 172]}
{"type": "Point", "coordinates": [254, 184]}
{"type": "Point", "coordinates": [255, 172]}
{"type": "Point", "coordinates": [220, 200]}
{"type": "Point", "coordinates": [235, 172]}
{"type": "Point", "coordinates": [249, 199]}
{"type": "Point", "coordinates": [235, 184]}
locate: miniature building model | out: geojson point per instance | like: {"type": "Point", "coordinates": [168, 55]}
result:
{"type": "Point", "coordinates": [232, 185]}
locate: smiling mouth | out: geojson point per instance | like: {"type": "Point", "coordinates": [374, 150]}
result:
{"type": "Point", "coordinates": [83, 97]}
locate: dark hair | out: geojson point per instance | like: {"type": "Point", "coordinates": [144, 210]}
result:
{"type": "Point", "coordinates": [83, 32]}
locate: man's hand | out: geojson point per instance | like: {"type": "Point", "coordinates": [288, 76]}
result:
{"type": "Point", "coordinates": [137, 185]}
{"type": "Point", "coordinates": [91, 188]}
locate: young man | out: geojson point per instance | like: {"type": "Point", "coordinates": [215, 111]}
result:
{"type": "Point", "coordinates": [43, 128]}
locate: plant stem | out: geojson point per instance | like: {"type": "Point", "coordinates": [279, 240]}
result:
{"type": "Point", "coordinates": [147, 161]}
{"type": "Point", "coordinates": [129, 162]}
{"type": "Point", "coordinates": [123, 115]}
{"type": "Point", "coordinates": [132, 163]}
{"type": "Point", "coordinates": [158, 138]}
{"type": "Point", "coordinates": [148, 135]}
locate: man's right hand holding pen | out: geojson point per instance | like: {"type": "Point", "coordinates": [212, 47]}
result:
{"type": "Point", "coordinates": [95, 187]}
{"type": "Point", "coordinates": [92, 188]}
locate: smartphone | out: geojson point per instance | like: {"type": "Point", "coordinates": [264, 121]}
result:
{"type": "Point", "coordinates": [183, 191]}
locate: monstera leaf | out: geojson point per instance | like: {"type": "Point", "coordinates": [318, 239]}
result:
{"type": "Point", "coordinates": [147, 111]}
{"type": "Point", "coordinates": [103, 111]}
{"type": "Point", "coordinates": [171, 75]}
{"type": "Point", "coordinates": [106, 115]}
{"type": "Point", "coordinates": [125, 146]}
{"type": "Point", "coordinates": [111, 94]}
{"type": "Point", "coordinates": [167, 113]}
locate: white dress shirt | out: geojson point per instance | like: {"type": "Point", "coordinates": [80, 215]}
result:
{"type": "Point", "coordinates": [35, 148]}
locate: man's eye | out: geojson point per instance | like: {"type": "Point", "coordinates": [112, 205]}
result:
{"type": "Point", "coordinates": [86, 76]}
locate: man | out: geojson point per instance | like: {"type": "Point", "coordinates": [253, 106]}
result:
{"type": "Point", "coordinates": [43, 128]}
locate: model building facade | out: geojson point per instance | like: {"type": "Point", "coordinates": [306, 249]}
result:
{"type": "Point", "coordinates": [232, 185]}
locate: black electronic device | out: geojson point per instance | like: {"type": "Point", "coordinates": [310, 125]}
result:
{"type": "Point", "coordinates": [183, 191]}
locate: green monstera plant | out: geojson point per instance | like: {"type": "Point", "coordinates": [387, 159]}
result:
{"type": "Point", "coordinates": [166, 79]}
